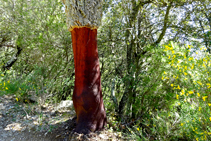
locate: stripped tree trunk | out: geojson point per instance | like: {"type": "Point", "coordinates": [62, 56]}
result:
{"type": "Point", "coordinates": [83, 18]}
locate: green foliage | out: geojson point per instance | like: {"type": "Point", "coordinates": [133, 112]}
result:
{"type": "Point", "coordinates": [167, 86]}
{"type": "Point", "coordinates": [173, 96]}
{"type": "Point", "coordinates": [46, 58]}
{"type": "Point", "coordinates": [184, 105]}
{"type": "Point", "coordinates": [20, 86]}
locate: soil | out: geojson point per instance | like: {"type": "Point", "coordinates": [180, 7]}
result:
{"type": "Point", "coordinates": [32, 122]}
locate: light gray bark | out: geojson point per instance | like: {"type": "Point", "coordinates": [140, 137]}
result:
{"type": "Point", "coordinates": [83, 13]}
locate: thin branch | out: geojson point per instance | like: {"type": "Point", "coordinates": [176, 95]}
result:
{"type": "Point", "coordinates": [7, 46]}
{"type": "Point", "coordinates": [165, 24]}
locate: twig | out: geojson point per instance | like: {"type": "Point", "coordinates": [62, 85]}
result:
{"type": "Point", "coordinates": [27, 116]}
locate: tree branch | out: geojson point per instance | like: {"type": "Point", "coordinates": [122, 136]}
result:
{"type": "Point", "coordinates": [135, 9]}
{"type": "Point", "coordinates": [9, 64]}
{"type": "Point", "coordinates": [165, 24]}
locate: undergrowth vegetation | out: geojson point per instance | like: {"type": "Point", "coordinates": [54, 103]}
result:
{"type": "Point", "coordinates": [178, 105]}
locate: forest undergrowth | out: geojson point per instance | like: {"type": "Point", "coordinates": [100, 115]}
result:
{"type": "Point", "coordinates": [183, 95]}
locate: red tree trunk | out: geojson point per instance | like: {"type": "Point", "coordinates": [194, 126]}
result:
{"type": "Point", "coordinates": [87, 95]}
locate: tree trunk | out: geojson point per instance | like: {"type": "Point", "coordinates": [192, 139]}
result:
{"type": "Point", "coordinates": [87, 95]}
{"type": "Point", "coordinates": [83, 19]}
{"type": "Point", "coordinates": [9, 64]}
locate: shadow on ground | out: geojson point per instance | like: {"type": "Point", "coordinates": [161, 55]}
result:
{"type": "Point", "coordinates": [21, 123]}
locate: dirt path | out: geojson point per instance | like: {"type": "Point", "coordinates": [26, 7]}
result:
{"type": "Point", "coordinates": [28, 122]}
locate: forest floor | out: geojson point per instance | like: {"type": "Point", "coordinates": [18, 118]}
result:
{"type": "Point", "coordinates": [30, 122]}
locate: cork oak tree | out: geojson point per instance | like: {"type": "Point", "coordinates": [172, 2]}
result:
{"type": "Point", "coordinates": [83, 19]}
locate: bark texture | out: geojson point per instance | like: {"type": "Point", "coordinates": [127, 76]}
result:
{"type": "Point", "coordinates": [87, 95]}
{"type": "Point", "coordinates": [9, 64]}
{"type": "Point", "coordinates": [83, 13]}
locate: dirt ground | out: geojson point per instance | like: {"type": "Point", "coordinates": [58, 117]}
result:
{"type": "Point", "coordinates": [30, 122]}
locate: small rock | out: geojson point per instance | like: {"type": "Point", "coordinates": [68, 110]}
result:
{"type": "Point", "coordinates": [23, 129]}
{"type": "Point", "coordinates": [2, 107]}
{"type": "Point", "coordinates": [32, 96]}
{"type": "Point", "coordinates": [65, 104]}
{"type": "Point", "coordinates": [11, 107]}
{"type": "Point", "coordinates": [54, 113]}
{"type": "Point", "coordinates": [31, 127]}
{"type": "Point", "coordinates": [103, 136]}
{"type": "Point", "coordinates": [10, 133]}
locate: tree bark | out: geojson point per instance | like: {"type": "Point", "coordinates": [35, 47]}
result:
{"type": "Point", "coordinates": [87, 95]}
{"type": "Point", "coordinates": [9, 64]}
{"type": "Point", "coordinates": [164, 25]}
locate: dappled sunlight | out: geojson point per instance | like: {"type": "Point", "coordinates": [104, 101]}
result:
{"type": "Point", "coordinates": [51, 126]}
{"type": "Point", "coordinates": [17, 119]}
{"type": "Point", "coordinates": [14, 126]}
